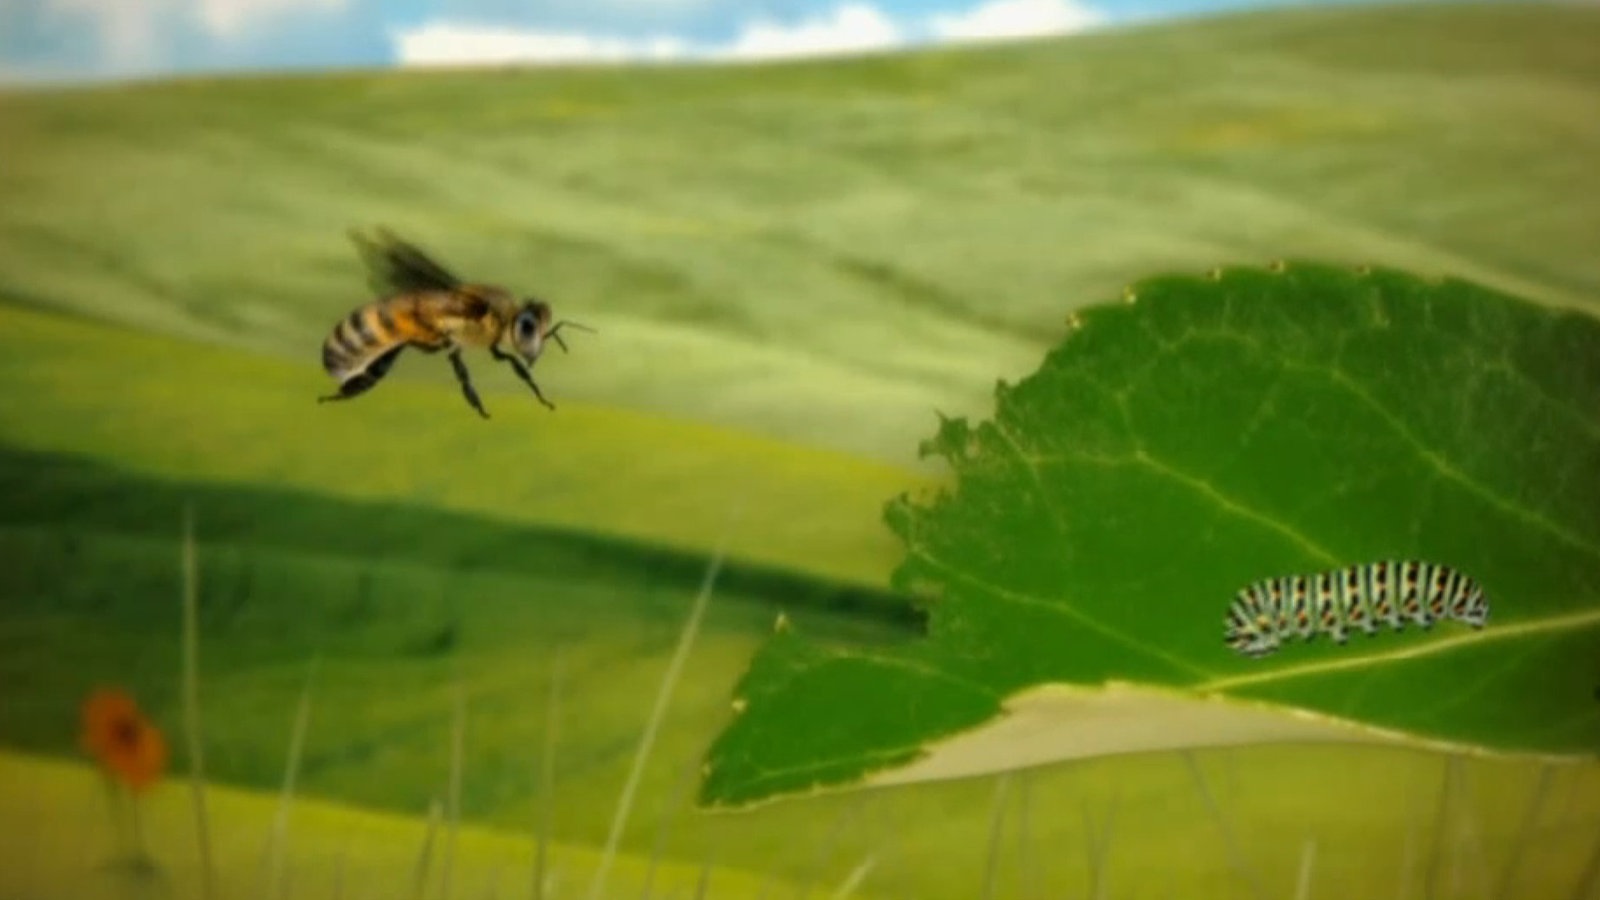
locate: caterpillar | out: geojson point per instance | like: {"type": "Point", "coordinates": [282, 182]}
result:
{"type": "Point", "coordinates": [1339, 602]}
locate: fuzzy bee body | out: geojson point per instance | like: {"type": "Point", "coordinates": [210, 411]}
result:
{"type": "Point", "coordinates": [425, 307]}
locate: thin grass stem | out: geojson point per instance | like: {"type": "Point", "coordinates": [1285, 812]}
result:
{"type": "Point", "coordinates": [191, 703]}
{"type": "Point", "coordinates": [856, 876]}
{"type": "Point", "coordinates": [1430, 880]}
{"type": "Point", "coordinates": [141, 850]}
{"type": "Point", "coordinates": [419, 881]}
{"type": "Point", "coordinates": [1519, 844]}
{"type": "Point", "coordinates": [830, 840]}
{"type": "Point", "coordinates": [1308, 856]}
{"type": "Point", "coordinates": [339, 862]}
{"type": "Point", "coordinates": [669, 680]}
{"type": "Point", "coordinates": [1027, 887]}
{"type": "Point", "coordinates": [1584, 888]}
{"type": "Point", "coordinates": [1235, 857]}
{"type": "Point", "coordinates": [703, 883]}
{"type": "Point", "coordinates": [1099, 848]}
{"type": "Point", "coordinates": [1469, 848]}
{"type": "Point", "coordinates": [1408, 850]}
{"type": "Point", "coordinates": [458, 741]}
{"type": "Point", "coordinates": [997, 827]}
{"type": "Point", "coordinates": [668, 812]}
{"type": "Point", "coordinates": [274, 860]}
{"type": "Point", "coordinates": [547, 779]}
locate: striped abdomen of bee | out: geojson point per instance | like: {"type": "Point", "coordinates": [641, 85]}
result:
{"type": "Point", "coordinates": [363, 346]}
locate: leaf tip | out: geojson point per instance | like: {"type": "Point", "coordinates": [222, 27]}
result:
{"type": "Point", "coordinates": [1129, 295]}
{"type": "Point", "coordinates": [780, 625]}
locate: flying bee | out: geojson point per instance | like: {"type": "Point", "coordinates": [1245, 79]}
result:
{"type": "Point", "coordinates": [422, 305]}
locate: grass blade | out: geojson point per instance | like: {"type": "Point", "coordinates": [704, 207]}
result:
{"type": "Point", "coordinates": [458, 740]}
{"type": "Point", "coordinates": [1430, 881]}
{"type": "Point", "coordinates": [419, 881]}
{"type": "Point", "coordinates": [191, 703]}
{"type": "Point", "coordinates": [691, 628]}
{"type": "Point", "coordinates": [1099, 848]}
{"type": "Point", "coordinates": [1025, 874]}
{"type": "Point", "coordinates": [825, 847]}
{"type": "Point", "coordinates": [1590, 876]}
{"type": "Point", "coordinates": [337, 893]}
{"type": "Point", "coordinates": [1240, 867]}
{"type": "Point", "coordinates": [704, 881]}
{"type": "Point", "coordinates": [547, 779]}
{"type": "Point", "coordinates": [278, 837]}
{"type": "Point", "coordinates": [1519, 844]}
{"type": "Point", "coordinates": [1408, 851]}
{"type": "Point", "coordinates": [1308, 856]}
{"type": "Point", "coordinates": [1469, 842]}
{"type": "Point", "coordinates": [669, 808]}
{"type": "Point", "coordinates": [997, 827]}
{"type": "Point", "coordinates": [856, 876]}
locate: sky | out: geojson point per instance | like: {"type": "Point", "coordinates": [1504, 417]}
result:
{"type": "Point", "coordinates": [56, 40]}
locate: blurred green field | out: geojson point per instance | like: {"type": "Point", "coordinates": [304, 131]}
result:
{"type": "Point", "coordinates": [328, 850]}
{"type": "Point", "coordinates": [173, 409]}
{"type": "Point", "coordinates": [828, 251]}
{"type": "Point", "coordinates": [792, 268]}
{"type": "Point", "coordinates": [84, 599]}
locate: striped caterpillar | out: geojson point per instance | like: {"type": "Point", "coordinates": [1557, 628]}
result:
{"type": "Point", "coordinates": [1338, 602]}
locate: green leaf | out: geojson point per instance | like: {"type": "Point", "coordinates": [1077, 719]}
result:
{"type": "Point", "coordinates": [1202, 435]}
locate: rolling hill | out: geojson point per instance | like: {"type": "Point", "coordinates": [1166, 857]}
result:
{"type": "Point", "coordinates": [824, 252]}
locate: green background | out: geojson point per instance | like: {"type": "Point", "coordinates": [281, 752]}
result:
{"type": "Point", "coordinates": [791, 268]}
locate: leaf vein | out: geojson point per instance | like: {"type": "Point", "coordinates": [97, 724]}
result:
{"type": "Point", "coordinates": [1447, 470]}
{"type": "Point", "coordinates": [1212, 493]}
{"type": "Point", "coordinates": [898, 662]}
{"type": "Point", "coordinates": [1568, 622]}
{"type": "Point", "coordinates": [1063, 608]}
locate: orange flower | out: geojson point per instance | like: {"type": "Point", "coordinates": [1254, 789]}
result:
{"type": "Point", "coordinates": [117, 734]}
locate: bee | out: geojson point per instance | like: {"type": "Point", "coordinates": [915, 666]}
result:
{"type": "Point", "coordinates": [423, 305]}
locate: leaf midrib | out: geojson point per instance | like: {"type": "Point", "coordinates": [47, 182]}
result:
{"type": "Point", "coordinates": [1562, 623]}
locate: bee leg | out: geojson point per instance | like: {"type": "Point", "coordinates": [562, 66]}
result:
{"type": "Point", "coordinates": [466, 382]}
{"type": "Point", "coordinates": [523, 373]}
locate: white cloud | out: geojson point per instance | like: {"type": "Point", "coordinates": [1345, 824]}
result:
{"type": "Point", "coordinates": [135, 33]}
{"type": "Point", "coordinates": [230, 18]}
{"type": "Point", "coordinates": [1005, 19]}
{"type": "Point", "coordinates": [446, 44]}
{"type": "Point", "coordinates": [128, 31]}
{"type": "Point", "coordinates": [852, 28]}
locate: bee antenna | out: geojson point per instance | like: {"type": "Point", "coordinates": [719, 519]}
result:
{"type": "Point", "coordinates": [555, 330]}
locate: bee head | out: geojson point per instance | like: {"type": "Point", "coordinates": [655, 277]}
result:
{"type": "Point", "coordinates": [529, 328]}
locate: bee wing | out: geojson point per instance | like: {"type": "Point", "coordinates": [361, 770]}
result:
{"type": "Point", "coordinates": [397, 267]}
